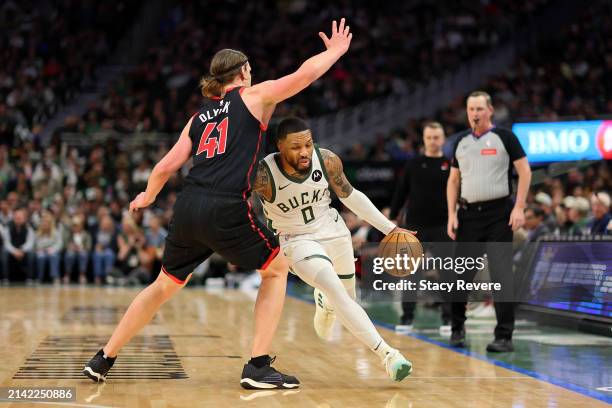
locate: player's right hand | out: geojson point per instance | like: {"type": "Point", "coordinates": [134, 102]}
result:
{"type": "Point", "coordinates": [340, 37]}
{"type": "Point", "coordinates": [140, 201]}
{"type": "Point", "coordinates": [398, 230]}
{"type": "Point", "coordinates": [451, 228]}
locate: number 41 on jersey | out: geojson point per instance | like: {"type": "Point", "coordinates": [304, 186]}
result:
{"type": "Point", "coordinates": [213, 145]}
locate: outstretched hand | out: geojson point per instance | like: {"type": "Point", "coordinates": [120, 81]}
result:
{"type": "Point", "coordinates": [340, 37]}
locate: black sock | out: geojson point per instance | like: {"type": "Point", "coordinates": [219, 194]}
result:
{"type": "Point", "coordinates": [111, 360]}
{"type": "Point", "coordinates": [260, 361]}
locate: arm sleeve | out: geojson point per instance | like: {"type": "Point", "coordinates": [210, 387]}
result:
{"type": "Point", "coordinates": [454, 161]}
{"type": "Point", "coordinates": [361, 205]}
{"type": "Point", "coordinates": [30, 241]}
{"type": "Point", "coordinates": [401, 192]}
{"type": "Point", "coordinates": [457, 138]}
{"type": "Point", "coordinates": [512, 145]}
{"type": "Point", "coordinates": [6, 237]}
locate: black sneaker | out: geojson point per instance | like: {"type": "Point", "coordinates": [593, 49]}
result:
{"type": "Point", "coordinates": [98, 366]}
{"type": "Point", "coordinates": [500, 346]}
{"type": "Point", "coordinates": [458, 338]}
{"type": "Point", "coordinates": [266, 377]}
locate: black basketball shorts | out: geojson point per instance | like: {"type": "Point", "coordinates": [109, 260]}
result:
{"type": "Point", "coordinates": [205, 222]}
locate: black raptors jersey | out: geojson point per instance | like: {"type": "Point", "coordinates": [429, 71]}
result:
{"type": "Point", "coordinates": [226, 141]}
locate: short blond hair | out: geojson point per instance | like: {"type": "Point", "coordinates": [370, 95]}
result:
{"type": "Point", "coordinates": [484, 94]}
{"type": "Point", "coordinates": [433, 125]}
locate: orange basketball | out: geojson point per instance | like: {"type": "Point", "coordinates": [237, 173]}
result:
{"type": "Point", "coordinates": [400, 243]}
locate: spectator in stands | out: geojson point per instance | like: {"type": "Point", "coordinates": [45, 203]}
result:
{"type": "Point", "coordinates": [141, 174]}
{"type": "Point", "coordinates": [602, 219]}
{"type": "Point", "coordinates": [156, 236]}
{"type": "Point", "coordinates": [6, 214]}
{"type": "Point", "coordinates": [77, 246]}
{"type": "Point", "coordinates": [578, 211]}
{"type": "Point", "coordinates": [105, 249]}
{"type": "Point", "coordinates": [116, 211]}
{"type": "Point", "coordinates": [536, 228]}
{"type": "Point", "coordinates": [563, 224]}
{"type": "Point", "coordinates": [18, 243]}
{"type": "Point", "coordinates": [544, 202]}
{"type": "Point", "coordinates": [14, 201]}
{"type": "Point", "coordinates": [35, 210]}
{"type": "Point", "coordinates": [21, 185]}
{"type": "Point", "coordinates": [48, 247]}
{"type": "Point", "coordinates": [534, 223]}
{"type": "Point", "coordinates": [7, 172]}
{"type": "Point", "coordinates": [47, 172]}
{"type": "Point", "coordinates": [134, 257]}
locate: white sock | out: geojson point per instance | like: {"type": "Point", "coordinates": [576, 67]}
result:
{"type": "Point", "coordinates": [382, 349]}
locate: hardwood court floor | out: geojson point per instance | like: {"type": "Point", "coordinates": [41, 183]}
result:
{"type": "Point", "coordinates": [192, 356]}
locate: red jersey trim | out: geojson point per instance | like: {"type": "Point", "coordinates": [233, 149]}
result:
{"type": "Point", "coordinates": [270, 258]}
{"type": "Point", "coordinates": [254, 226]}
{"type": "Point", "coordinates": [174, 278]}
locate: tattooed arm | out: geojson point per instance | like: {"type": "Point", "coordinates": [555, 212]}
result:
{"type": "Point", "coordinates": [353, 199]}
{"type": "Point", "coordinates": [263, 184]}
{"type": "Point", "coordinates": [335, 172]}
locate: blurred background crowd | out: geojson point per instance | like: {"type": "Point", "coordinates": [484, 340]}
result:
{"type": "Point", "coordinates": [63, 206]}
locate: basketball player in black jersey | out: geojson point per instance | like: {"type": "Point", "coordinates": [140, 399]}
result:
{"type": "Point", "coordinates": [212, 213]}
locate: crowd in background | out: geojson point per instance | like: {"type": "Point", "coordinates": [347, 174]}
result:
{"type": "Point", "coordinates": [63, 212]}
{"type": "Point", "coordinates": [561, 80]}
{"type": "Point", "coordinates": [50, 51]}
{"type": "Point", "coordinates": [396, 45]}
{"type": "Point", "coordinates": [63, 208]}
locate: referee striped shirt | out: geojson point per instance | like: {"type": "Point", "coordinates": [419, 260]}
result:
{"type": "Point", "coordinates": [485, 163]}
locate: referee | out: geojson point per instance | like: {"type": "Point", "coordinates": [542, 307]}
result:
{"type": "Point", "coordinates": [423, 188]}
{"type": "Point", "coordinates": [481, 170]}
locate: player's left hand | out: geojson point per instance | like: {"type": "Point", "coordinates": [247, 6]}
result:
{"type": "Point", "coordinates": [517, 218]}
{"type": "Point", "coordinates": [340, 39]}
{"type": "Point", "coordinates": [140, 201]}
{"type": "Point", "coordinates": [398, 229]}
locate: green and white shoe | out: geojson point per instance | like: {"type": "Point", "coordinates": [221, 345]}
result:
{"type": "Point", "coordinates": [397, 366]}
{"type": "Point", "coordinates": [324, 317]}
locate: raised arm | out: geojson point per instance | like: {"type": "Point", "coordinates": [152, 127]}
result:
{"type": "Point", "coordinates": [275, 91]}
{"type": "Point", "coordinates": [167, 166]}
{"type": "Point", "coordinates": [263, 183]}
{"type": "Point", "coordinates": [353, 199]}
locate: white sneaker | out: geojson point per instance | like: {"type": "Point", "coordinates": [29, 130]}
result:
{"type": "Point", "coordinates": [397, 366]}
{"type": "Point", "coordinates": [324, 316]}
{"type": "Point", "coordinates": [473, 307]}
{"type": "Point", "coordinates": [445, 330]}
{"type": "Point", "coordinates": [487, 311]}
{"type": "Point", "coordinates": [404, 328]}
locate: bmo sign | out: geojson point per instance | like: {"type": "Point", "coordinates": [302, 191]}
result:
{"type": "Point", "coordinates": [565, 141]}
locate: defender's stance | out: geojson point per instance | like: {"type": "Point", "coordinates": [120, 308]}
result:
{"type": "Point", "coordinates": [213, 213]}
{"type": "Point", "coordinates": [295, 187]}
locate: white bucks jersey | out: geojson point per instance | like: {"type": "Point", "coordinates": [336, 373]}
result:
{"type": "Point", "coordinates": [301, 206]}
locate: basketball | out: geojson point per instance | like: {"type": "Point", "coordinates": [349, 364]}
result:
{"type": "Point", "coordinates": [400, 243]}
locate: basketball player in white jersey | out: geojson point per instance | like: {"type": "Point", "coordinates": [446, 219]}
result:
{"type": "Point", "coordinates": [295, 189]}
